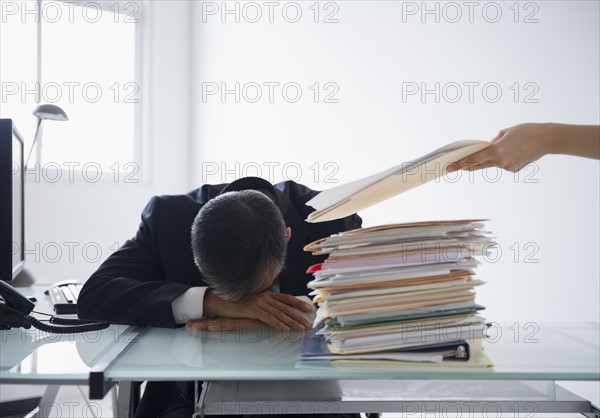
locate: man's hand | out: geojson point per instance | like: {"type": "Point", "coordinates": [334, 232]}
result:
{"type": "Point", "coordinates": [277, 310]}
{"type": "Point", "coordinates": [224, 324]}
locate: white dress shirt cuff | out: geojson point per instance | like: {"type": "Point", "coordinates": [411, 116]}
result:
{"type": "Point", "coordinates": [189, 305]}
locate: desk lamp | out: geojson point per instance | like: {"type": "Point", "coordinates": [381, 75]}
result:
{"type": "Point", "coordinates": [43, 112]}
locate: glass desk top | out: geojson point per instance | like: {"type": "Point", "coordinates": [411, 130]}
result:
{"type": "Point", "coordinates": [524, 351]}
{"type": "Point", "coordinates": [518, 351]}
{"type": "Point", "coordinates": [32, 356]}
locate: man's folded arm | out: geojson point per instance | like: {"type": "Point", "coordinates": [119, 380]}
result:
{"type": "Point", "coordinates": [121, 300]}
{"type": "Point", "coordinates": [130, 286]}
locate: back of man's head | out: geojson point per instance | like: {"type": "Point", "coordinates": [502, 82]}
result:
{"type": "Point", "coordinates": [239, 241]}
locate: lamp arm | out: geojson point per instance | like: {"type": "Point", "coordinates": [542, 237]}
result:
{"type": "Point", "coordinates": [38, 133]}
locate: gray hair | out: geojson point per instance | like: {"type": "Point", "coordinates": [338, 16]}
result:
{"type": "Point", "coordinates": [238, 238]}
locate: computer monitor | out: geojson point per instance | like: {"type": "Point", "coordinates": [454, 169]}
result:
{"type": "Point", "coordinates": [12, 199]}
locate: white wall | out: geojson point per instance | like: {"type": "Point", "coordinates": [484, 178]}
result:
{"type": "Point", "coordinates": [370, 53]}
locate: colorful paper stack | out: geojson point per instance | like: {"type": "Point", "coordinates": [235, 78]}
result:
{"type": "Point", "coordinates": [399, 293]}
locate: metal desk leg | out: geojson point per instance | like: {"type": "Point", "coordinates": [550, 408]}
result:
{"type": "Point", "coordinates": [98, 382]}
{"type": "Point", "coordinates": [125, 402]}
{"type": "Point", "coordinates": [202, 401]}
{"type": "Point", "coordinates": [47, 404]}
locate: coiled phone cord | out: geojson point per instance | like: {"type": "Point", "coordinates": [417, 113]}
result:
{"type": "Point", "coordinates": [65, 325]}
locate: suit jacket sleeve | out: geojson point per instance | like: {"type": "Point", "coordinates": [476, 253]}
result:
{"type": "Point", "coordinates": [130, 286]}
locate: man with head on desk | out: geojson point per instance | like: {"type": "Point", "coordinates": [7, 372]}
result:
{"type": "Point", "coordinates": [230, 252]}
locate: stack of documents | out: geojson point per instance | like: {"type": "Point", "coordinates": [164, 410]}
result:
{"type": "Point", "coordinates": [402, 292]}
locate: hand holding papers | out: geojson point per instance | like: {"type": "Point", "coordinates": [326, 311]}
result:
{"type": "Point", "coordinates": [350, 198]}
{"type": "Point", "coordinates": [402, 292]}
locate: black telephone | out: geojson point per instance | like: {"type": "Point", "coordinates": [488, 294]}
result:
{"type": "Point", "coordinates": [15, 311]}
{"type": "Point", "coordinates": [13, 307]}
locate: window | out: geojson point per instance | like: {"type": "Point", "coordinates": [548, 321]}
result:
{"type": "Point", "coordinates": [87, 54]}
{"type": "Point", "coordinates": [18, 64]}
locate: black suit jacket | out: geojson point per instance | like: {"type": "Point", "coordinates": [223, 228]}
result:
{"type": "Point", "coordinates": [137, 284]}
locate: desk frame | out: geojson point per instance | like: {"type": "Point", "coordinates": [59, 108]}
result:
{"type": "Point", "coordinates": [219, 398]}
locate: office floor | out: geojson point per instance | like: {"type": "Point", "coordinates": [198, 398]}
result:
{"type": "Point", "coordinates": [72, 402]}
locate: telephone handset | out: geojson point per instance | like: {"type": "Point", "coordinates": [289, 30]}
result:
{"type": "Point", "coordinates": [13, 307]}
{"type": "Point", "coordinates": [15, 311]}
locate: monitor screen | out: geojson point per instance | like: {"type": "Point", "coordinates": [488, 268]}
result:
{"type": "Point", "coordinates": [12, 239]}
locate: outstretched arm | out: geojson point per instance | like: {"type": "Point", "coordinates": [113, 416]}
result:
{"type": "Point", "coordinates": [130, 286]}
{"type": "Point", "coordinates": [516, 147]}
